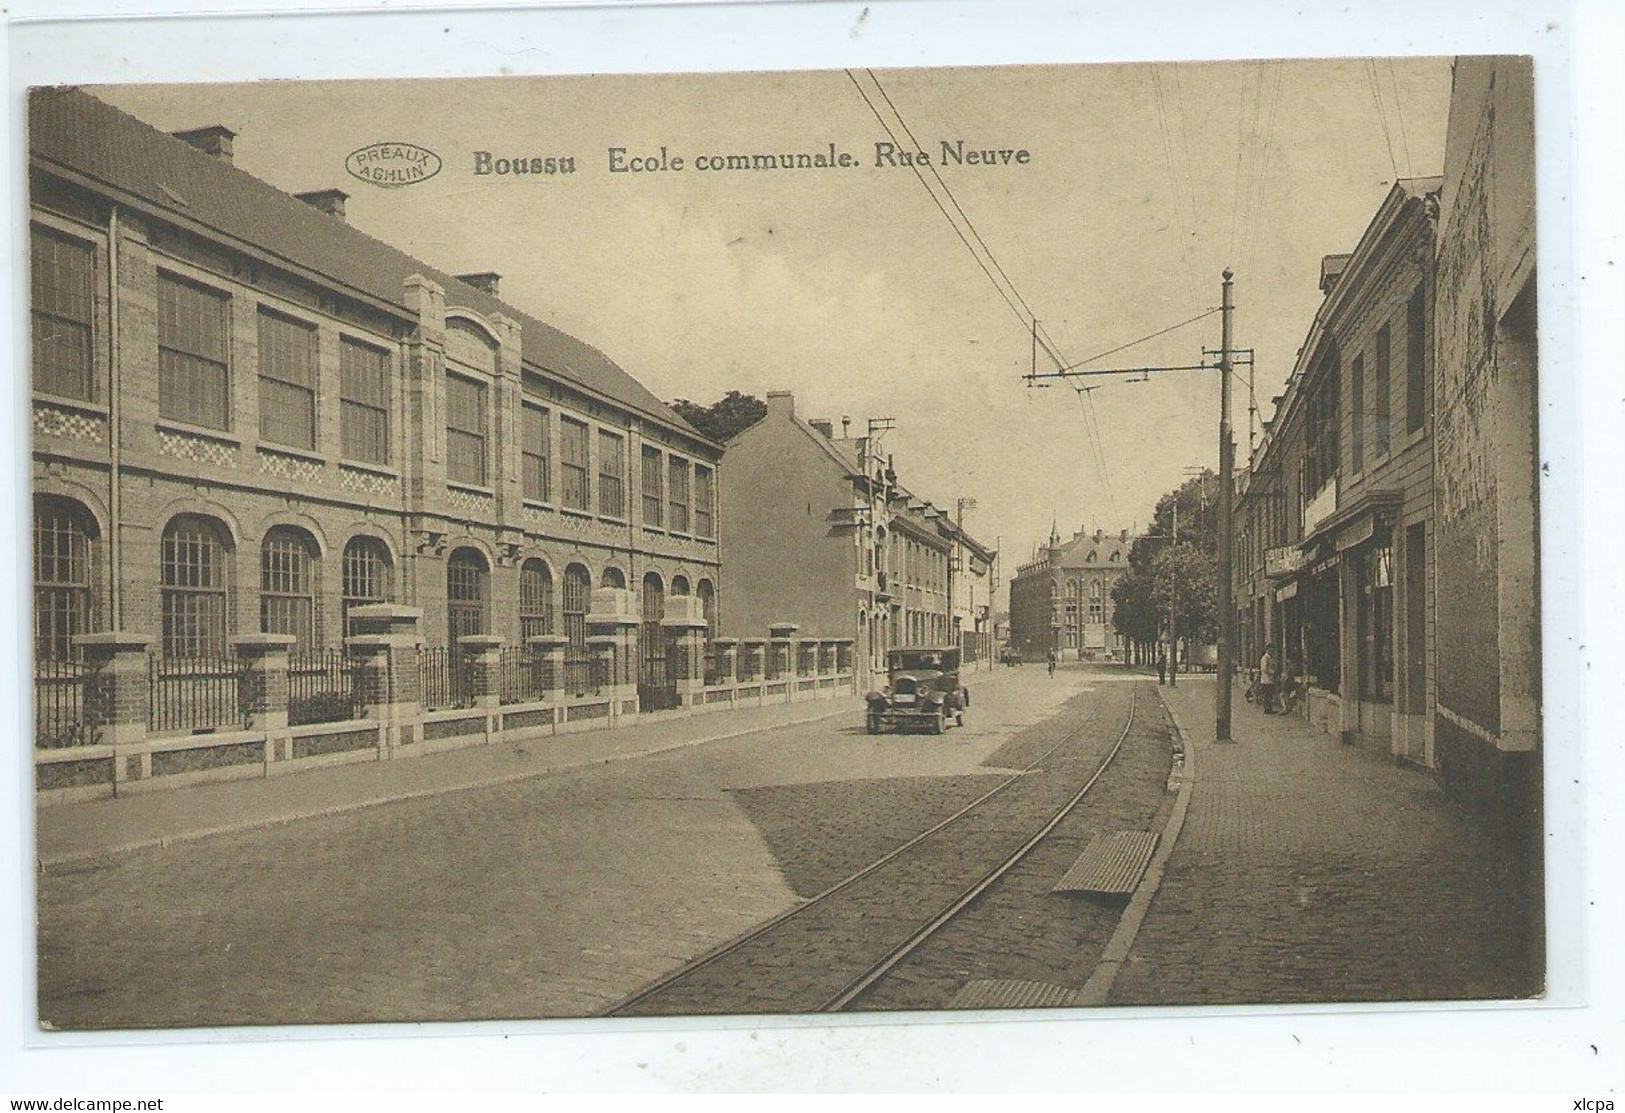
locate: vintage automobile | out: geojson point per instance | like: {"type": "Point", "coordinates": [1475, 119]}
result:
{"type": "Point", "coordinates": [922, 690]}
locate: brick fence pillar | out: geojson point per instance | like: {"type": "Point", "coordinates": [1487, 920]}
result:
{"type": "Point", "coordinates": [727, 659]}
{"type": "Point", "coordinates": [684, 625]}
{"type": "Point", "coordinates": [262, 683]}
{"type": "Point", "coordinates": [550, 647]}
{"type": "Point", "coordinates": [384, 650]}
{"type": "Point", "coordinates": [116, 687]}
{"type": "Point", "coordinates": [782, 646]}
{"type": "Point", "coordinates": [615, 617]}
{"type": "Point", "coordinates": [482, 656]}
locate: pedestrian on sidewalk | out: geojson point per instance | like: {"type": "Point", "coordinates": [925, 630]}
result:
{"type": "Point", "coordinates": [1266, 678]}
{"type": "Point", "coordinates": [1052, 661]}
{"type": "Point", "coordinates": [1162, 666]}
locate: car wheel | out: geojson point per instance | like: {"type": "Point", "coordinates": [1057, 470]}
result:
{"type": "Point", "coordinates": [873, 725]}
{"type": "Point", "coordinates": [940, 723]}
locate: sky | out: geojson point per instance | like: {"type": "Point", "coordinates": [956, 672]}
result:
{"type": "Point", "coordinates": [851, 287]}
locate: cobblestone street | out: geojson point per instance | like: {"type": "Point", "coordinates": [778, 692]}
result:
{"type": "Point", "coordinates": [554, 895]}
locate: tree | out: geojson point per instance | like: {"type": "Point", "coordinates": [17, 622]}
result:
{"type": "Point", "coordinates": [1183, 577]}
{"type": "Point", "coordinates": [1158, 567]}
{"type": "Point", "coordinates": [724, 419]}
{"type": "Point", "coordinates": [1198, 502]}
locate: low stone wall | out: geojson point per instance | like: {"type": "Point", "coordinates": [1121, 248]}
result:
{"type": "Point", "coordinates": [156, 764]}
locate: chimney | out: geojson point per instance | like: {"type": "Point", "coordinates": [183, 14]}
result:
{"type": "Point", "coordinates": [846, 426]}
{"type": "Point", "coordinates": [1331, 269]}
{"type": "Point", "coordinates": [781, 402]}
{"type": "Point", "coordinates": [484, 280]}
{"type": "Point", "coordinates": [1123, 536]}
{"type": "Point", "coordinates": [329, 201]}
{"type": "Point", "coordinates": [824, 426]}
{"type": "Point", "coordinates": [1100, 535]}
{"type": "Point", "coordinates": [212, 140]}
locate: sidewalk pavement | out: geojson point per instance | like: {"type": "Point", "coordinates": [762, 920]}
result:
{"type": "Point", "coordinates": [70, 832]}
{"type": "Point", "coordinates": [73, 832]}
{"type": "Point", "coordinates": [1308, 870]}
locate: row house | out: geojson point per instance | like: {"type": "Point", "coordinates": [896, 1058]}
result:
{"type": "Point", "coordinates": [1062, 599]}
{"type": "Point", "coordinates": [1334, 546]}
{"type": "Point", "coordinates": [827, 541]}
{"type": "Point", "coordinates": [251, 417]}
{"type": "Point", "coordinates": [1387, 527]}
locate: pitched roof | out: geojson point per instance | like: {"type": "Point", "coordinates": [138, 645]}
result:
{"type": "Point", "coordinates": [71, 129]}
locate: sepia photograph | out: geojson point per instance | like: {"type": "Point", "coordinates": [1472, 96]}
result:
{"type": "Point", "coordinates": [851, 541]}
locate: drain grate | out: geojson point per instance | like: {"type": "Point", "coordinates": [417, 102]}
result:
{"type": "Point", "coordinates": [994, 993]}
{"type": "Point", "coordinates": [1111, 863]}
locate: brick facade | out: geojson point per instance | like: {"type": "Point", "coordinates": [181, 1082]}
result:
{"type": "Point", "coordinates": [115, 458]}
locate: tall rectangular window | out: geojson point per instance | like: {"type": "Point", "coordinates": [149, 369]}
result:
{"type": "Point", "coordinates": [1416, 383]}
{"type": "Point", "coordinates": [534, 451]}
{"type": "Point", "coordinates": [63, 315]}
{"type": "Point", "coordinates": [573, 464]}
{"type": "Point", "coordinates": [1357, 413]}
{"type": "Point", "coordinates": [194, 383]}
{"type": "Point", "coordinates": [465, 430]}
{"type": "Point", "coordinates": [287, 354]}
{"type": "Point", "coordinates": [677, 493]}
{"type": "Point", "coordinates": [1379, 389]}
{"type": "Point", "coordinates": [705, 499]}
{"type": "Point", "coordinates": [654, 499]}
{"type": "Point", "coordinates": [363, 403]}
{"type": "Point", "coordinates": [611, 474]}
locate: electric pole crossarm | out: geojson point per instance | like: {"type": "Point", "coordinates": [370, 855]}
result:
{"type": "Point", "coordinates": [1040, 375]}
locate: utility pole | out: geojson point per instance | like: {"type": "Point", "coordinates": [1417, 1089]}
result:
{"type": "Point", "coordinates": [1227, 463]}
{"type": "Point", "coordinates": [1228, 356]}
{"type": "Point", "coordinates": [1173, 605]}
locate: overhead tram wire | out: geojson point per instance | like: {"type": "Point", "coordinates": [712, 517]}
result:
{"type": "Point", "coordinates": [1399, 114]}
{"type": "Point", "coordinates": [881, 89]}
{"type": "Point", "coordinates": [1175, 185]}
{"type": "Point", "coordinates": [1025, 319]}
{"type": "Point", "coordinates": [1040, 334]}
{"type": "Point", "coordinates": [1382, 116]}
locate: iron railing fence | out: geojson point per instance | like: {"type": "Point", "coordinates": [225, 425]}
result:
{"type": "Point", "coordinates": [526, 676]}
{"type": "Point", "coordinates": [59, 703]}
{"type": "Point", "coordinates": [194, 694]}
{"type": "Point", "coordinates": [585, 673]}
{"type": "Point", "coordinates": [714, 662]}
{"type": "Point", "coordinates": [443, 678]}
{"type": "Point", "coordinates": [322, 687]}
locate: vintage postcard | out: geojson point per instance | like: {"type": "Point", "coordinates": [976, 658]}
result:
{"type": "Point", "coordinates": [844, 541]}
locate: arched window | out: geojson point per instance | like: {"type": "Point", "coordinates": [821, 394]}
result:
{"type": "Point", "coordinates": [369, 576]}
{"type": "Point", "coordinates": [577, 597]}
{"type": "Point", "coordinates": [679, 585]}
{"type": "Point", "coordinates": [708, 606]}
{"type": "Point", "coordinates": [467, 583]}
{"type": "Point", "coordinates": [288, 585]}
{"type": "Point", "coordinates": [64, 570]}
{"type": "Point", "coordinates": [1092, 557]}
{"type": "Point", "coordinates": [195, 576]}
{"type": "Point", "coordinates": [535, 599]}
{"type": "Point", "coordinates": [614, 577]}
{"type": "Point", "coordinates": [652, 635]}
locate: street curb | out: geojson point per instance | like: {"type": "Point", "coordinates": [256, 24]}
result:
{"type": "Point", "coordinates": [1098, 988]}
{"type": "Point", "coordinates": [160, 842]}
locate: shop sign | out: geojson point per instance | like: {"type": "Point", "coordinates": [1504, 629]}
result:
{"type": "Point", "coordinates": [1282, 562]}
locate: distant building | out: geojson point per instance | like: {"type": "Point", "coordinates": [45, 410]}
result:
{"type": "Point", "coordinates": [822, 535]}
{"type": "Point", "coordinates": [1063, 599]}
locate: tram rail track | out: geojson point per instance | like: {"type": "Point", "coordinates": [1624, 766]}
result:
{"type": "Point", "coordinates": [852, 989]}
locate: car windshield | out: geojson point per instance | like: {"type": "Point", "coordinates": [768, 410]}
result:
{"type": "Point", "coordinates": [918, 661]}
